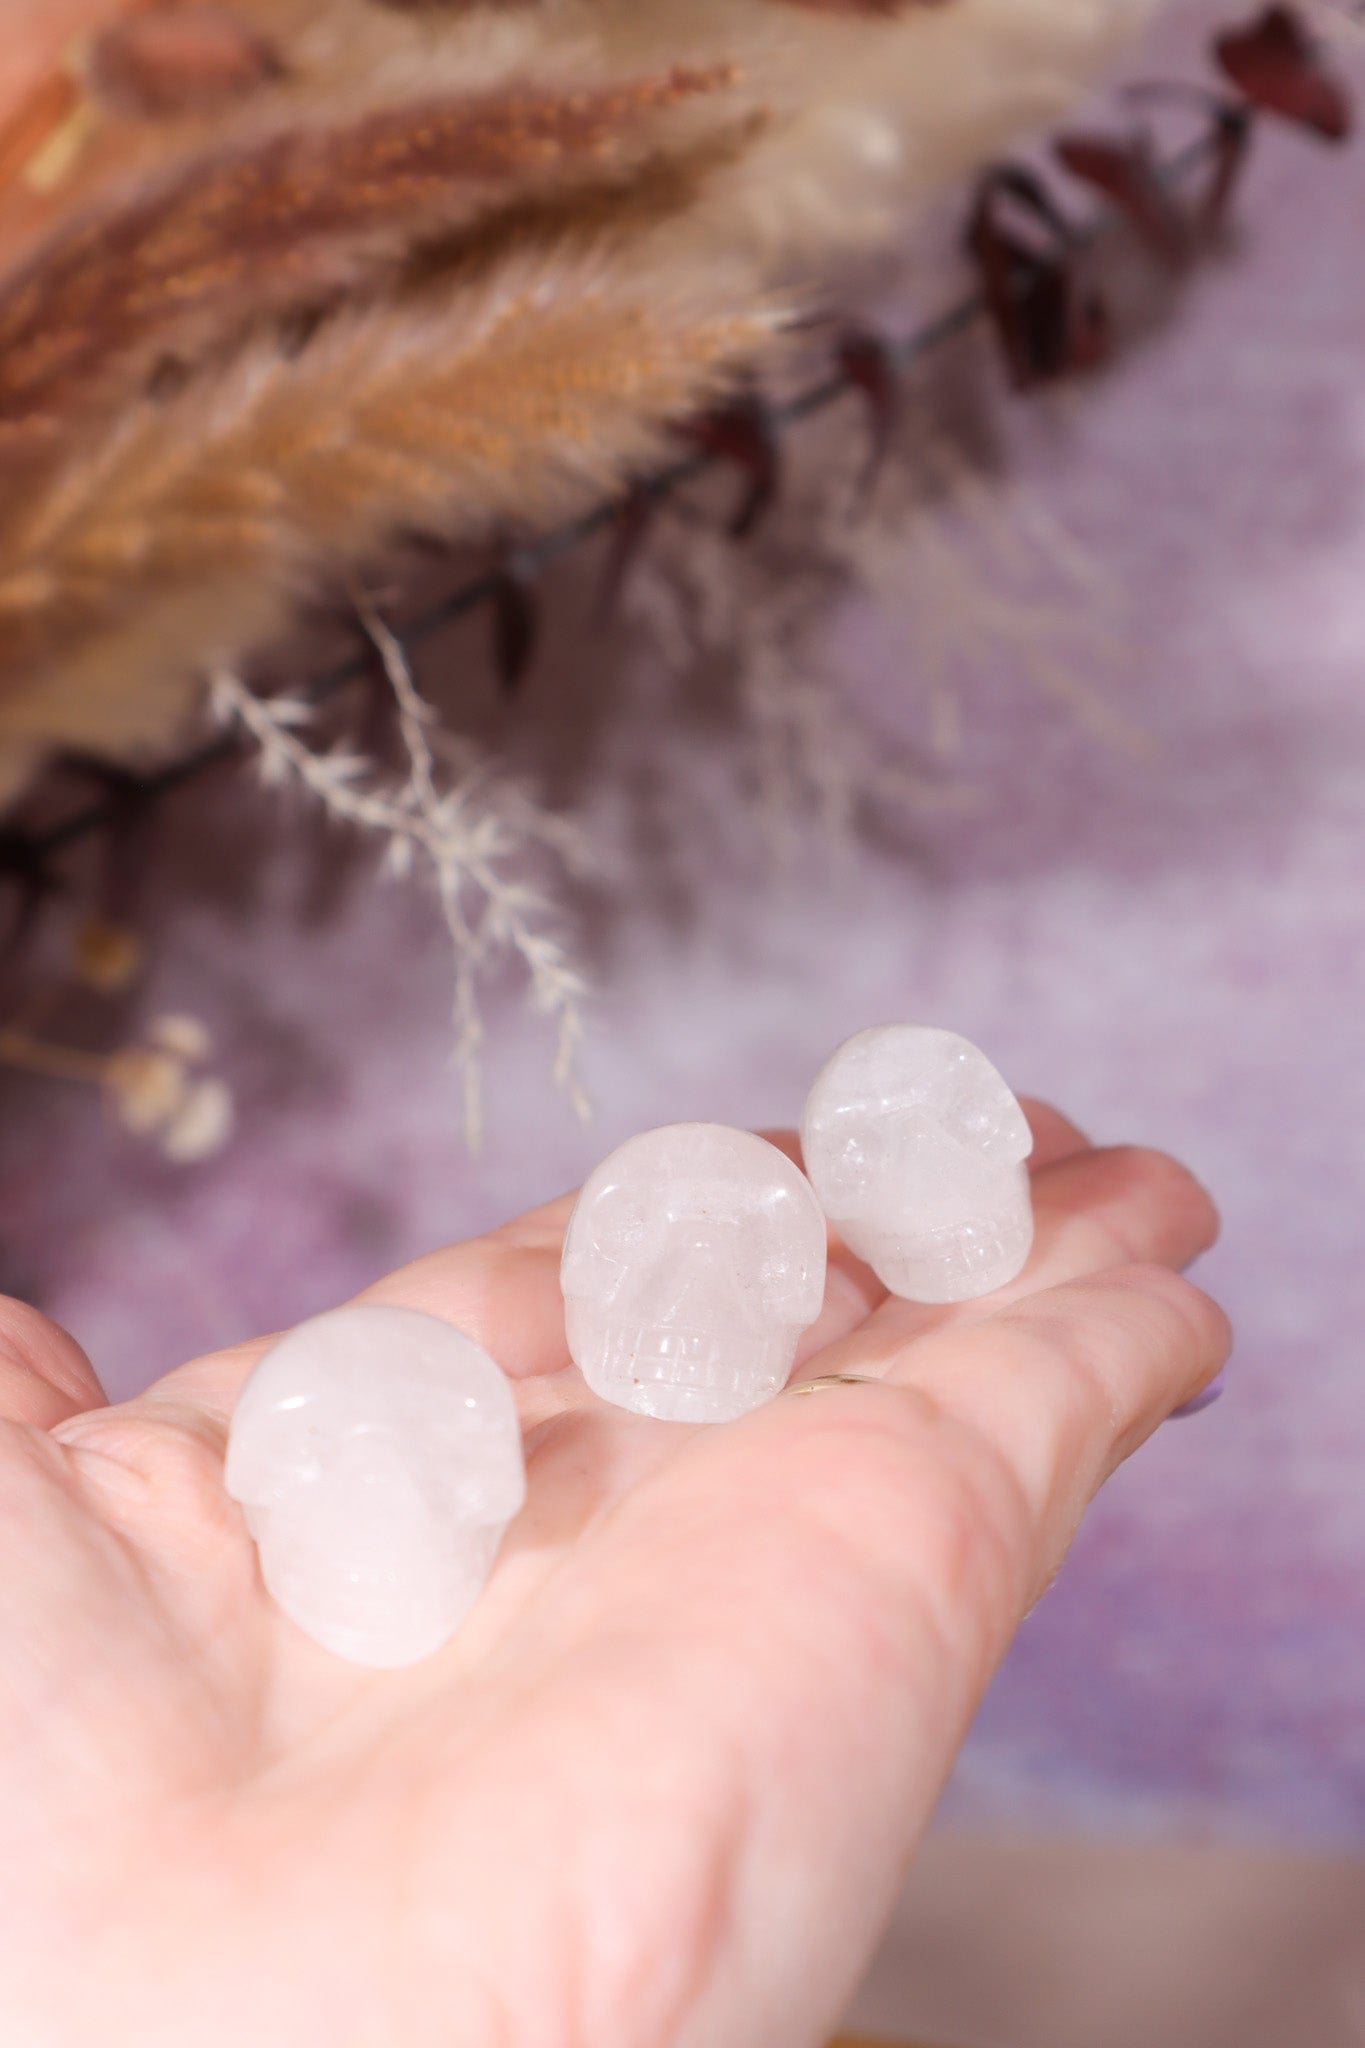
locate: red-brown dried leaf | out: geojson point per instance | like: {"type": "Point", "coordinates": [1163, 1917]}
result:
{"type": "Point", "coordinates": [1232, 133]}
{"type": "Point", "coordinates": [869, 363]}
{"type": "Point", "coordinates": [1277, 65]}
{"type": "Point", "coordinates": [631, 527]}
{"type": "Point", "coordinates": [1026, 192]}
{"type": "Point", "coordinates": [516, 628]}
{"type": "Point", "coordinates": [742, 433]}
{"type": "Point", "coordinates": [1000, 261]}
{"type": "Point", "coordinates": [31, 881]}
{"type": "Point", "coordinates": [1127, 173]}
{"type": "Point", "coordinates": [1046, 327]}
{"type": "Point", "coordinates": [1090, 338]}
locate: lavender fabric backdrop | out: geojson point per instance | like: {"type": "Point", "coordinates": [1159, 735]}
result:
{"type": "Point", "coordinates": [1170, 946]}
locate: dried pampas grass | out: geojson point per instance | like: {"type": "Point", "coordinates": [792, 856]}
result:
{"type": "Point", "coordinates": [291, 227]}
{"type": "Point", "coordinates": [201, 519]}
{"type": "Point", "coordinates": [447, 267]}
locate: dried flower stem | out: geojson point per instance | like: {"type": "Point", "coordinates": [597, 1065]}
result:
{"type": "Point", "coordinates": [155, 1086]}
{"type": "Point", "coordinates": [30, 1055]}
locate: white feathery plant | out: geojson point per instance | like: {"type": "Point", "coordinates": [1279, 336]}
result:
{"type": "Point", "coordinates": [467, 832]}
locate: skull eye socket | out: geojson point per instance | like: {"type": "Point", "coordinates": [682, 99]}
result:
{"type": "Point", "coordinates": [846, 1165]}
{"type": "Point", "coordinates": [989, 1126]}
{"type": "Point", "coordinates": [302, 1454]}
{"type": "Point", "coordinates": [620, 1221]}
{"type": "Point", "coordinates": [779, 1274]}
{"type": "Point", "coordinates": [972, 1121]}
{"type": "Point", "coordinates": [277, 1459]}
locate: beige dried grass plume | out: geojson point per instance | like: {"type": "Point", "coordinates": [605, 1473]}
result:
{"type": "Point", "coordinates": [447, 267]}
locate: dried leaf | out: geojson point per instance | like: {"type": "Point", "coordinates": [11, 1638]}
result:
{"type": "Point", "coordinates": [870, 366]}
{"type": "Point", "coordinates": [631, 527]}
{"type": "Point", "coordinates": [516, 627]}
{"type": "Point", "coordinates": [1231, 146]}
{"type": "Point", "coordinates": [1277, 65]}
{"type": "Point", "coordinates": [32, 880]}
{"type": "Point", "coordinates": [1127, 173]}
{"type": "Point", "coordinates": [745, 434]}
{"type": "Point", "coordinates": [1050, 324]}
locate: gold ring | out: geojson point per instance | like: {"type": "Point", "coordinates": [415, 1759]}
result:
{"type": "Point", "coordinates": [835, 1379]}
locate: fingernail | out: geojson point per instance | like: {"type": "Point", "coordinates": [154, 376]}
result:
{"type": "Point", "coordinates": [1212, 1392]}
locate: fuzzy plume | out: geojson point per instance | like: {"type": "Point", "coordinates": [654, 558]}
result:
{"type": "Point", "coordinates": [292, 226]}
{"type": "Point", "coordinates": [194, 527]}
{"type": "Point", "coordinates": [440, 266]}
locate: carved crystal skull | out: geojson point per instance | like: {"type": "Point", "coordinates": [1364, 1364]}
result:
{"type": "Point", "coordinates": [694, 1259]}
{"type": "Point", "coordinates": [916, 1149]}
{"type": "Point", "coordinates": [377, 1454]}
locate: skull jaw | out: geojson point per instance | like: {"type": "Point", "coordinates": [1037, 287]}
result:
{"type": "Point", "coordinates": [950, 1257]}
{"type": "Point", "coordinates": [385, 1615]}
{"type": "Point", "coordinates": [677, 1375]}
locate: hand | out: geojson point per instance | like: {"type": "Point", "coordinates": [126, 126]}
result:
{"type": "Point", "coordinates": [660, 1790]}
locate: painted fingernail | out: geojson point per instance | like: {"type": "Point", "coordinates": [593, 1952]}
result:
{"type": "Point", "coordinates": [1212, 1392]}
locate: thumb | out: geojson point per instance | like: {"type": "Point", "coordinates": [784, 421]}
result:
{"type": "Point", "coordinates": [44, 1374]}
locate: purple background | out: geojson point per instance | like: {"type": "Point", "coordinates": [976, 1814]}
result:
{"type": "Point", "coordinates": [1172, 947]}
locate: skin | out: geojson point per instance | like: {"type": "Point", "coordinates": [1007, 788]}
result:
{"type": "Point", "coordinates": [661, 1789]}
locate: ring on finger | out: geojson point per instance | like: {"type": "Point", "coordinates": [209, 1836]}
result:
{"type": "Point", "coordinates": [835, 1379]}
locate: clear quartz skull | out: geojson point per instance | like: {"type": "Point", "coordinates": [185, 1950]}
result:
{"type": "Point", "coordinates": [917, 1150]}
{"type": "Point", "coordinates": [694, 1259]}
{"type": "Point", "coordinates": [377, 1454]}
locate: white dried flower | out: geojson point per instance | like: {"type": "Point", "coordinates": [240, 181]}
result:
{"type": "Point", "coordinates": [186, 1036]}
{"type": "Point", "coordinates": [202, 1125]}
{"type": "Point", "coordinates": [465, 834]}
{"type": "Point", "coordinates": [146, 1087]}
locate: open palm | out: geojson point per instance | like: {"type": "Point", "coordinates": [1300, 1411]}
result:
{"type": "Point", "coordinates": [659, 1791]}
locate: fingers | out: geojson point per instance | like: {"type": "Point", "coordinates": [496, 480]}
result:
{"type": "Point", "coordinates": [1062, 1387]}
{"type": "Point", "coordinates": [961, 1477]}
{"type": "Point", "coordinates": [1093, 1209]}
{"type": "Point", "coordinates": [1120, 1205]}
{"type": "Point", "coordinates": [1123, 1205]}
{"type": "Point", "coordinates": [44, 1374]}
{"type": "Point", "coordinates": [1054, 1135]}
{"type": "Point", "coordinates": [502, 1290]}
{"type": "Point", "coordinates": [1067, 1383]}
{"type": "Point", "coordinates": [1037, 1404]}
{"type": "Point", "coordinates": [843, 1573]}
